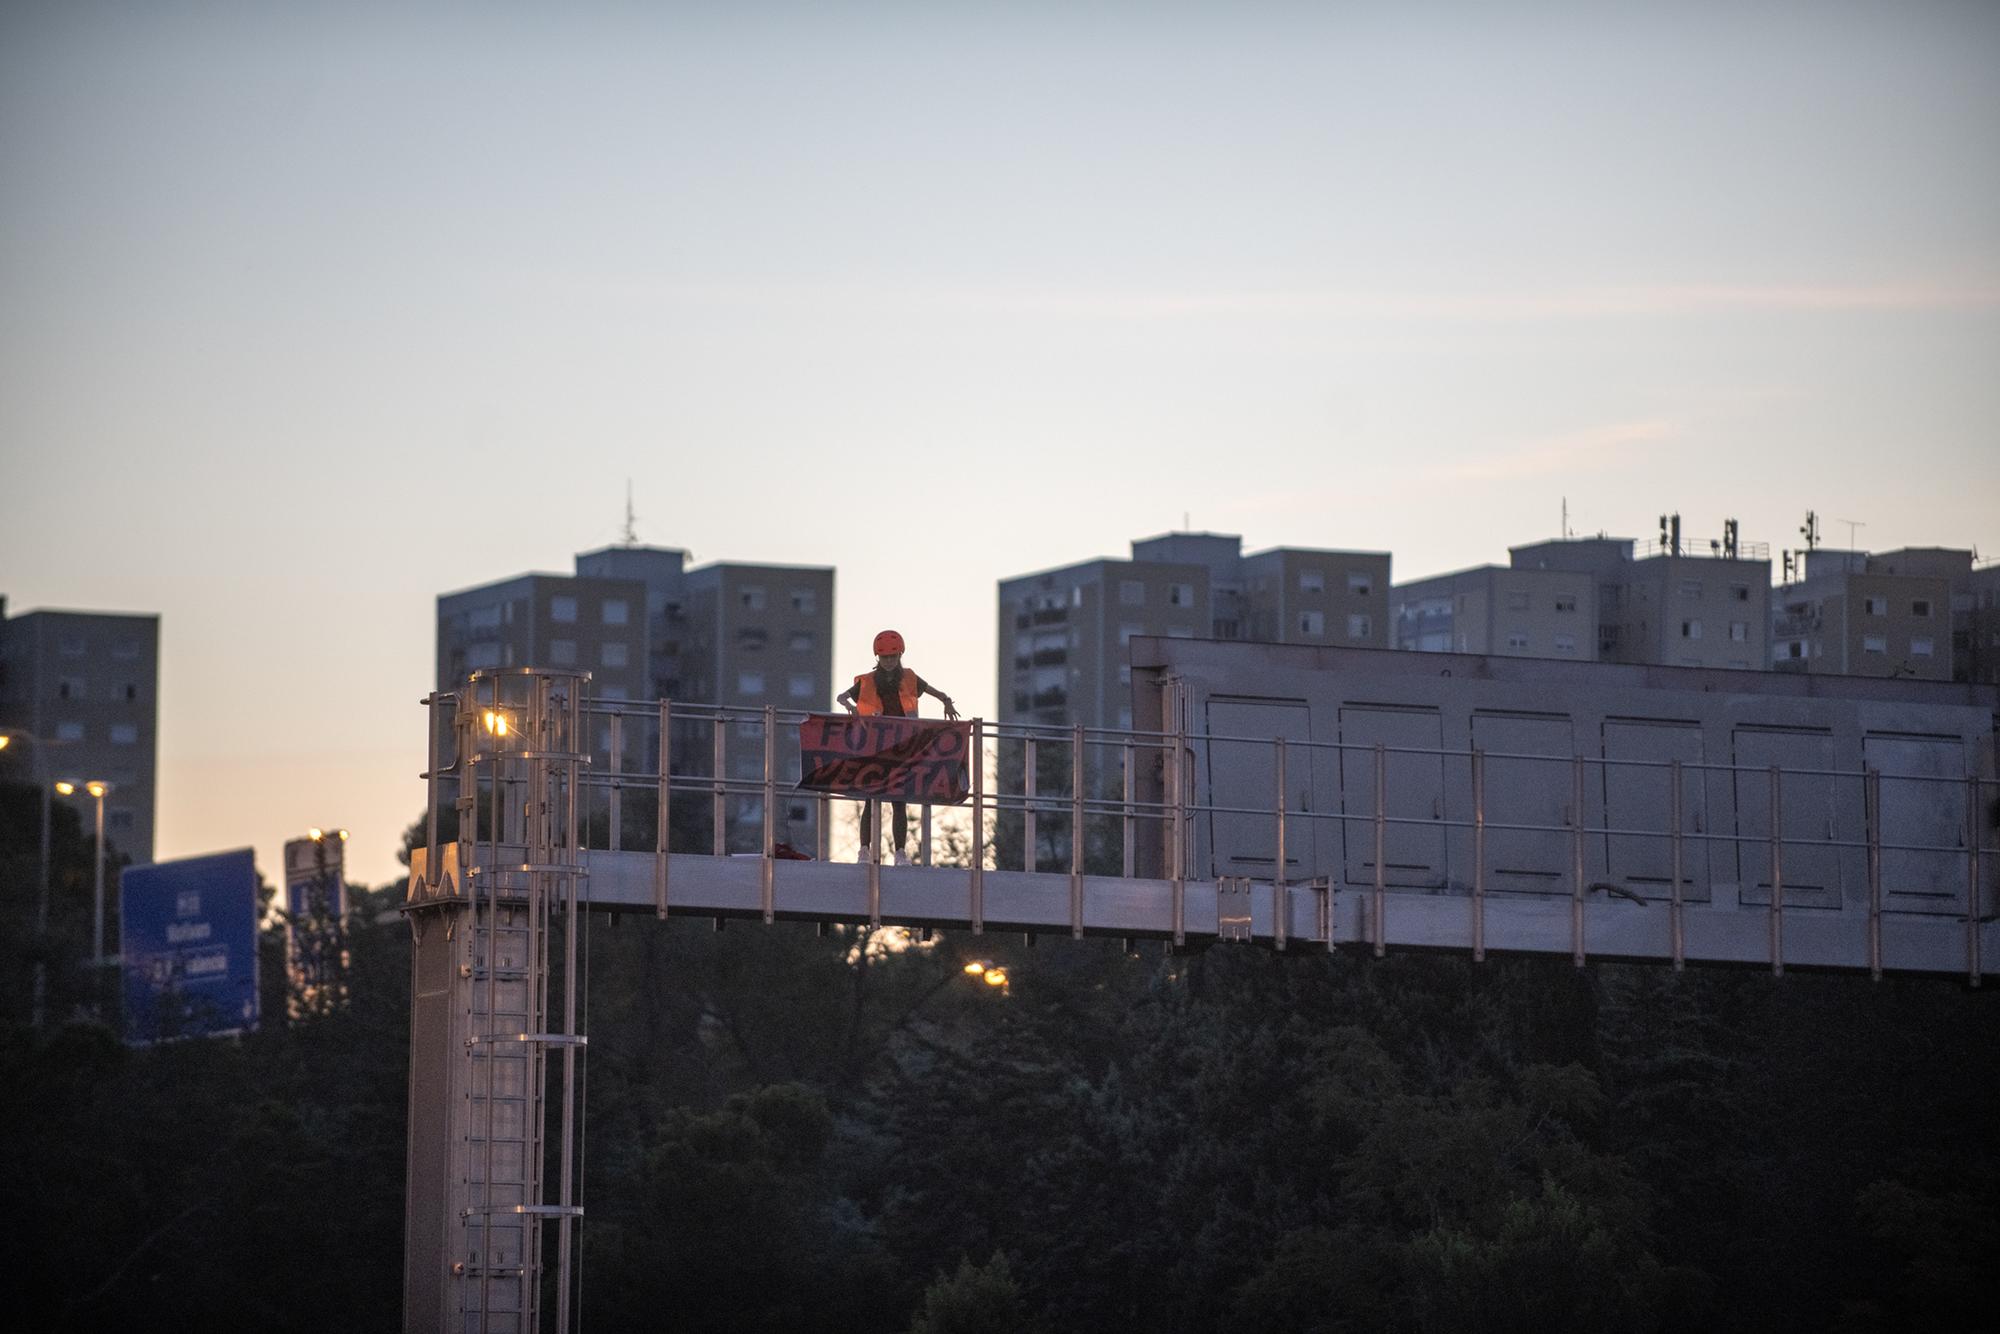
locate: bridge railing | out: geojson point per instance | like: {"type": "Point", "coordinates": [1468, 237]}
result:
{"type": "Point", "coordinates": [722, 780]}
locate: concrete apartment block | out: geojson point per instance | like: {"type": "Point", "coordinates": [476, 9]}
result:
{"type": "Point", "coordinates": [1669, 604]}
{"type": "Point", "coordinates": [1853, 614]}
{"type": "Point", "coordinates": [86, 686]}
{"type": "Point", "coordinates": [1499, 610]}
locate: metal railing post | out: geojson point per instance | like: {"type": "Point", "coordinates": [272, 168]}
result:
{"type": "Point", "coordinates": [1076, 830]}
{"type": "Point", "coordinates": [1279, 898]}
{"type": "Point", "coordinates": [1676, 927]}
{"type": "Point", "coordinates": [1177, 862]}
{"type": "Point", "coordinates": [976, 884]}
{"type": "Point", "coordinates": [767, 870]}
{"type": "Point", "coordinates": [1576, 949]}
{"type": "Point", "coordinates": [1777, 874]}
{"type": "Point", "coordinates": [614, 804]}
{"type": "Point", "coordinates": [1478, 855]}
{"type": "Point", "coordinates": [1378, 932]}
{"type": "Point", "coordinates": [874, 818]}
{"type": "Point", "coordinates": [1872, 796]}
{"type": "Point", "coordinates": [1030, 860]}
{"type": "Point", "coordinates": [665, 811]}
{"type": "Point", "coordinates": [719, 812]}
{"type": "Point", "coordinates": [1126, 824]}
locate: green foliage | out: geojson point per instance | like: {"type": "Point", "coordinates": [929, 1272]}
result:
{"type": "Point", "coordinates": [975, 1299]}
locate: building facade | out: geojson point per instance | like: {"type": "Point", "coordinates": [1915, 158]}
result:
{"type": "Point", "coordinates": [1499, 610]}
{"type": "Point", "coordinates": [1064, 633]}
{"type": "Point", "coordinates": [85, 685]}
{"type": "Point", "coordinates": [1670, 604]}
{"type": "Point", "coordinates": [1856, 614]}
{"type": "Point", "coordinates": [647, 627]}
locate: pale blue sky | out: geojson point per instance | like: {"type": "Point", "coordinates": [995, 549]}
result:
{"type": "Point", "coordinates": [308, 313]}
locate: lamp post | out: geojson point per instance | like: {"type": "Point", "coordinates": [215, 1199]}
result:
{"type": "Point", "coordinates": [97, 790]}
{"type": "Point", "coordinates": [41, 985]}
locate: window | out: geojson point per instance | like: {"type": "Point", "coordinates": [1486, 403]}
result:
{"type": "Point", "coordinates": [1566, 602]}
{"type": "Point", "coordinates": [1131, 593]}
{"type": "Point", "coordinates": [1180, 595]}
{"type": "Point", "coordinates": [482, 655]}
{"type": "Point", "coordinates": [1516, 639]}
{"type": "Point", "coordinates": [616, 611]}
{"type": "Point", "coordinates": [1312, 623]}
{"type": "Point", "coordinates": [1565, 643]}
{"type": "Point", "coordinates": [1124, 673]}
{"type": "Point", "coordinates": [799, 685]}
{"type": "Point", "coordinates": [483, 618]}
{"type": "Point", "coordinates": [752, 638]}
{"type": "Point", "coordinates": [805, 600]}
{"type": "Point", "coordinates": [562, 610]}
{"type": "Point", "coordinates": [1922, 647]}
{"type": "Point", "coordinates": [1180, 632]}
{"type": "Point", "coordinates": [1360, 625]}
{"type": "Point", "coordinates": [1125, 633]}
{"type": "Point", "coordinates": [125, 649]}
{"type": "Point", "coordinates": [1874, 643]}
{"type": "Point", "coordinates": [1312, 581]}
{"type": "Point", "coordinates": [1690, 629]}
{"type": "Point", "coordinates": [129, 690]}
{"type": "Point", "coordinates": [1739, 632]}
{"type": "Point", "coordinates": [1125, 717]}
{"type": "Point", "coordinates": [69, 731]}
{"type": "Point", "coordinates": [751, 597]}
{"type": "Point", "coordinates": [562, 652]}
{"type": "Point", "coordinates": [801, 641]}
{"type": "Point", "coordinates": [1691, 588]}
{"type": "Point", "coordinates": [614, 654]}
{"type": "Point", "coordinates": [73, 687]}
{"type": "Point", "coordinates": [750, 683]}
{"type": "Point", "coordinates": [1360, 583]}
{"type": "Point", "coordinates": [1517, 602]}
{"type": "Point", "coordinates": [1739, 592]}
{"type": "Point", "coordinates": [1075, 595]}
{"type": "Point", "coordinates": [1921, 607]}
{"type": "Point", "coordinates": [1875, 606]}
{"type": "Point", "coordinates": [124, 734]}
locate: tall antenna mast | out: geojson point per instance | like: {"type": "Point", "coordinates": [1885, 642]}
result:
{"type": "Point", "coordinates": [631, 519]}
{"type": "Point", "coordinates": [1565, 524]}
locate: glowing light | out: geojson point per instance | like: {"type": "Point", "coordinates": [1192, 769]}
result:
{"type": "Point", "coordinates": [5, 741]}
{"type": "Point", "coordinates": [66, 789]}
{"type": "Point", "coordinates": [496, 722]}
{"type": "Point", "coordinates": [315, 834]}
{"type": "Point", "coordinates": [96, 789]}
{"type": "Point", "coordinates": [343, 835]}
{"type": "Point", "coordinates": [996, 977]}
{"type": "Point", "coordinates": [975, 969]}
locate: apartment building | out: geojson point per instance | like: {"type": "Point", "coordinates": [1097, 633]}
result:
{"type": "Point", "coordinates": [1670, 603]}
{"type": "Point", "coordinates": [1499, 610]}
{"type": "Point", "coordinates": [1064, 633]}
{"type": "Point", "coordinates": [647, 627]}
{"type": "Point", "coordinates": [85, 686]}
{"type": "Point", "coordinates": [1982, 627]}
{"type": "Point", "coordinates": [1854, 614]}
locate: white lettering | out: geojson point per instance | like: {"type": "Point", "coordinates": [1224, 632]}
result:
{"type": "Point", "coordinates": [201, 965]}
{"type": "Point", "coordinates": [179, 933]}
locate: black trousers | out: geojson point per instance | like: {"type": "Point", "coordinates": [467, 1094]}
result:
{"type": "Point", "coordinates": [901, 816]}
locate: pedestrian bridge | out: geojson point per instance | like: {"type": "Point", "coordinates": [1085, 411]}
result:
{"type": "Point", "coordinates": [547, 803]}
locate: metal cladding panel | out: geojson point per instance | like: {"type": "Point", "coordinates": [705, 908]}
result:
{"type": "Point", "coordinates": [1243, 777]}
{"type": "Point", "coordinates": [1727, 729]}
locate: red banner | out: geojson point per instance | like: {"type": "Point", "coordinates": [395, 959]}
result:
{"type": "Point", "coordinates": [905, 759]}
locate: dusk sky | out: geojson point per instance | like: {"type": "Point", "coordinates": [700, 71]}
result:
{"type": "Point", "coordinates": [309, 313]}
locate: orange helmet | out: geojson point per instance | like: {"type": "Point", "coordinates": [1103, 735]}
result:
{"type": "Point", "coordinates": [888, 642]}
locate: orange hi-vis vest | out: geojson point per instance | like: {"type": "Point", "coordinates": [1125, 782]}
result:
{"type": "Point", "coordinates": [908, 691]}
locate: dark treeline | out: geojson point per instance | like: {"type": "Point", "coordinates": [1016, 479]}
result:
{"type": "Point", "coordinates": [789, 1130]}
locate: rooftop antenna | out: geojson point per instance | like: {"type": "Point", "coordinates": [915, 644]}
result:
{"type": "Point", "coordinates": [1852, 525]}
{"type": "Point", "coordinates": [1810, 531]}
{"type": "Point", "coordinates": [631, 519]}
{"type": "Point", "coordinates": [1567, 534]}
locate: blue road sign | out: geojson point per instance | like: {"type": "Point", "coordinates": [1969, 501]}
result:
{"type": "Point", "coordinates": [188, 931]}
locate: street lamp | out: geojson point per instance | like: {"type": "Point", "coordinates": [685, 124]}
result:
{"type": "Point", "coordinates": [97, 790]}
{"type": "Point", "coordinates": [7, 737]}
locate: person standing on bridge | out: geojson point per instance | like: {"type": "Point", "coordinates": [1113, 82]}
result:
{"type": "Point", "coordinates": [890, 691]}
